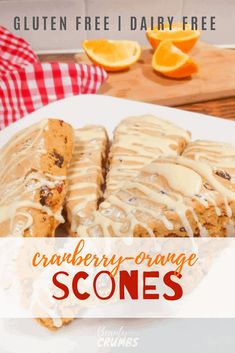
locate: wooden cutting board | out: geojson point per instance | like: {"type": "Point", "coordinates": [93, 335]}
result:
{"type": "Point", "coordinates": [216, 79]}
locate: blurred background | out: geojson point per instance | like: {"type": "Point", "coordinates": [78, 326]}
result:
{"type": "Point", "coordinates": [70, 41]}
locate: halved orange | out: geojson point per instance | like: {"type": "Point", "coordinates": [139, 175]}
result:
{"type": "Point", "coordinates": [172, 62]}
{"type": "Point", "coordinates": [112, 55]}
{"type": "Point", "coordinates": [184, 39]}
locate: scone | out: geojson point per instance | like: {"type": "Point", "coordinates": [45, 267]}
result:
{"type": "Point", "coordinates": [172, 196]}
{"type": "Point", "coordinates": [86, 176]}
{"type": "Point", "coordinates": [54, 324]}
{"type": "Point", "coordinates": [221, 157]}
{"type": "Point", "coordinates": [33, 168]}
{"type": "Point", "coordinates": [137, 142]}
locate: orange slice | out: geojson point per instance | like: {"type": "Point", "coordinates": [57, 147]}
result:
{"type": "Point", "coordinates": [112, 55]}
{"type": "Point", "coordinates": [184, 39]}
{"type": "Point", "coordinates": [172, 62]}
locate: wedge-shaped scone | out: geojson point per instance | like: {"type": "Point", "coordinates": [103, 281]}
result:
{"type": "Point", "coordinates": [221, 157]}
{"type": "Point", "coordinates": [86, 175]}
{"type": "Point", "coordinates": [137, 142]}
{"type": "Point", "coordinates": [33, 168]}
{"type": "Point", "coordinates": [172, 196]}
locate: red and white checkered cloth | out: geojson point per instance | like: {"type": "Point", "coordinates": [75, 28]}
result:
{"type": "Point", "coordinates": [27, 85]}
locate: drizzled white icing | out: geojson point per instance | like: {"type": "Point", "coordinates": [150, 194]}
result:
{"type": "Point", "coordinates": [137, 142]}
{"type": "Point", "coordinates": [217, 154]}
{"type": "Point", "coordinates": [85, 174]}
{"type": "Point", "coordinates": [177, 176]}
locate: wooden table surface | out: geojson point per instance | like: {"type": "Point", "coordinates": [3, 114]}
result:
{"type": "Point", "coordinates": [223, 108]}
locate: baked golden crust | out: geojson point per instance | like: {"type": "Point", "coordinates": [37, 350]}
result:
{"type": "Point", "coordinates": [33, 179]}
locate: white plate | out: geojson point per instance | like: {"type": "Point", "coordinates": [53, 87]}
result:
{"type": "Point", "coordinates": [82, 335]}
{"type": "Point", "coordinates": [108, 111]}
